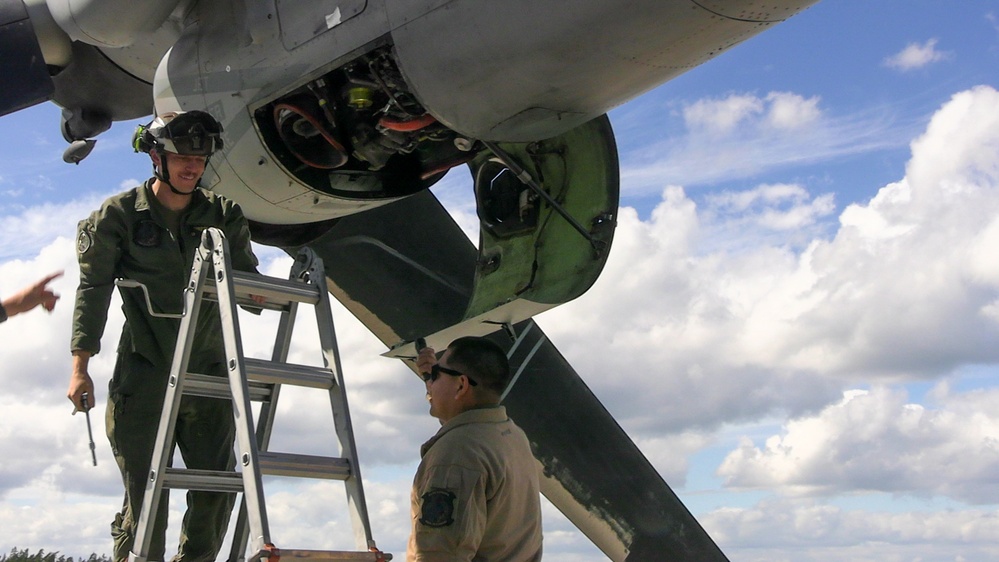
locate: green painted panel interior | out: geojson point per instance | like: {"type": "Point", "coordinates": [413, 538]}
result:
{"type": "Point", "coordinates": [554, 263]}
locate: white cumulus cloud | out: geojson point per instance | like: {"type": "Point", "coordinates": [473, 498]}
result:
{"type": "Point", "coordinates": [791, 111]}
{"type": "Point", "coordinates": [916, 55]}
{"type": "Point", "coordinates": [878, 441]}
{"type": "Point", "coordinates": [745, 134]}
{"type": "Point", "coordinates": [785, 530]}
{"type": "Point", "coordinates": [721, 116]}
{"type": "Point", "coordinates": [781, 110]}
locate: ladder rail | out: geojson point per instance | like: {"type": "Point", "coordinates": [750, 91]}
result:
{"type": "Point", "coordinates": [356, 503]}
{"type": "Point", "coordinates": [164, 444]}
{"type": "Point", "coordinates": [248, 457]}
{"type": "Point", "coordinates": [265, 419]}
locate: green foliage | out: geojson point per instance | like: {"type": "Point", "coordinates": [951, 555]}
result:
{"type": "Point", "coordinates": [23, 555]}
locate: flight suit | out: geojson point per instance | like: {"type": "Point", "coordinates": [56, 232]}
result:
{"type": "Point", "coordinates": [475, 496]}
{"type": "Point", "coordinates": [129, 237]}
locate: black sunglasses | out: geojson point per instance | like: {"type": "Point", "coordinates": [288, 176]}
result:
{"type": "Point", "coordinates": [436, 371]}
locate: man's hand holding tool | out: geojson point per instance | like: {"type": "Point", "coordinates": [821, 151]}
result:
{"type": "Point", "coordinates": [90, 432]}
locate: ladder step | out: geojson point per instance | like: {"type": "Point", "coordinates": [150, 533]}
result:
{"type": "Point", "coordinates": [330, 555]}
{"type": "Point", "coordinates": [262, 376]}
{"type": "Point", "coordinates": [273, 464]}
{"type": "Point", "coordinates": [203, 480]}
{"type": "Point", "coordinates": [278, 292]}
{"type": "Point", "coordinates": [218, 387]}
{"type": "Point", "coordinates": [287, 373]}
{"type": "Point", "coordinates": [303, 466]}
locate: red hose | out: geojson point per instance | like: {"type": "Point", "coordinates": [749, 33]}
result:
{"type": "Point", "coordinates": [407, 126]}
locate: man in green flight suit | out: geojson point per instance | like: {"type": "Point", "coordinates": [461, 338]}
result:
{"type": "Point", "coordinates": [150, 234]}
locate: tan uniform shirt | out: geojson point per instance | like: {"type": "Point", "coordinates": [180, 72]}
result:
{"type": "Point", "coordinates": [476, 496]}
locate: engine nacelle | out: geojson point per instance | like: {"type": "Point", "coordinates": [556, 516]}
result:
{"type": "Point", "coordinates": [79, 54]}
{"type": "Point", "coordinates": [22, 59]}
{"type": "Point", "coordinates": [334, 106]}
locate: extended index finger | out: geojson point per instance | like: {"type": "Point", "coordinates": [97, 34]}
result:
{"type": "Point", "coordinates": [48, 278]}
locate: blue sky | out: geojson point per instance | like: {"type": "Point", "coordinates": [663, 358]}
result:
{"type": "Point", "coordinates": [798, 321]}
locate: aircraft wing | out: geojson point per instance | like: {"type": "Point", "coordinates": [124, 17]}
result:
{"type": "Point", "coordinates": [404, 270]}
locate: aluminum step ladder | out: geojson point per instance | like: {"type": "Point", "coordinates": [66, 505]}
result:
{"type": "Point", "coordinates": [212, 278]}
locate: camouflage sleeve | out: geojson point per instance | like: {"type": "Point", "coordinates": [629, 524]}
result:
{"type": "Point", "coordinates": [98, 249]}
{"type": "Point", "coordinates": [449, 510]}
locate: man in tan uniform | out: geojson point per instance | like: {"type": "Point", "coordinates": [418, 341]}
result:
{"type": "Point", "coordinates": [475, 494]}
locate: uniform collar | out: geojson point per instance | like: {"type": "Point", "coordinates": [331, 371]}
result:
{"type": "Point", "coordinates": [144, 193]}
{"type": "Point", "coordinates": [487, 414]}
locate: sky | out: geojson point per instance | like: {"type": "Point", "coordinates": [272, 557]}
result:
{"type": "Point", "coordinates": [797, 324]}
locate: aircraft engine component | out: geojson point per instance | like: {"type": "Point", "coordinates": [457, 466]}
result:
{"type": "Point", "coordinates": [523, 70]}
{"type": "Point", "coordinates": [92, 88]}
{"type": "Point", "coordinates": [77, 53]}
{"type": "Point", "coordinates": [53, 41]}
{"type": "Point", "coordinates": [306, 133]}
{"type": "Point", "coordinates": [22, 57]}
{"type": "Point", "coordinates": [360, 97]}
{"type": "Point", "coordinates": [505, 206]}
{"type": "Point", "coordinates": [109, 23]}
{"type": "Point", "coordinates": [357, 132]}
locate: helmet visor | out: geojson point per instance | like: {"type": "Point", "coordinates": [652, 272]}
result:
{"type": "Point", "coordinates": [193, 145]}
{"type": "Point", "coordinates": [193, 133]}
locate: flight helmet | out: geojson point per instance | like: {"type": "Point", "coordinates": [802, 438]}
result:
{"type": "Point", "coordinates": [191, 133]}
{"type": "Point", "coordinates": [194, 133]}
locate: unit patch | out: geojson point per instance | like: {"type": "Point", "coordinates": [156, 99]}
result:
{"type": "Point", "coordinates": [83, 242]}
{"type": "Point", "coordinates": [147, 234]}
{"type": "Point", "coordinates": [438, 508]}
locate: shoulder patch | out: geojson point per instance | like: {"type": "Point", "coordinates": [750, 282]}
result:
{"type": "Point", "coordinates": [84, 241]}
{"type": "Point", "coordinates": [438, 508]}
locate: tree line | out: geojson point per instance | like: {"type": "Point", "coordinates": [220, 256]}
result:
{"type": "Point", "coordinates": [22, 555]}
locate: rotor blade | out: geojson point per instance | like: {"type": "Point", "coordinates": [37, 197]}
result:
{"type": "Point", "coordinates": [593, 472]}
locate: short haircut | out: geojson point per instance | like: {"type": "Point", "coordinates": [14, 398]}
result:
{"type": "Point", "coordinates": [482, 360]}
